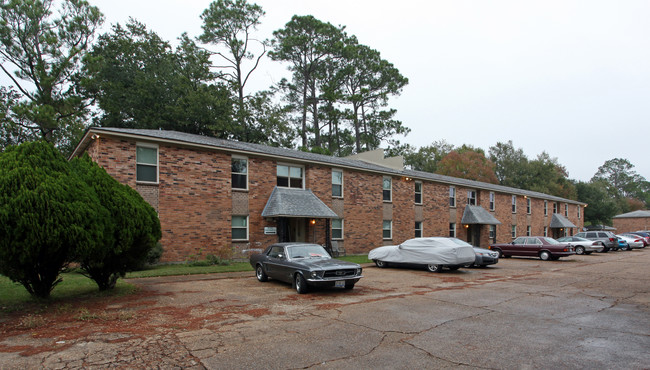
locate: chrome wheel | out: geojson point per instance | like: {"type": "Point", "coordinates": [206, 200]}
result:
{"type": "Point", "coordinates": [544, 256]}
{"type": "Point", "coordinates": [261, 275]}
{"type": "Point", "coordinates": [301, 284]}
{"type": "Point", "coordinates": [434, 268]}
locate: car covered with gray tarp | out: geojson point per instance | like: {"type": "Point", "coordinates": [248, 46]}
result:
{"type": "Point", "coordinates": [432, 252]}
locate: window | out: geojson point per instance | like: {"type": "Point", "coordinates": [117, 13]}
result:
{"type": "Point", "coordinates": [493, 233]}
{"type": "Point", "coordinates": [290, 176]}
{"type": "Point", "coordinates": [452, 196]}
{"type": "Point", "coordinates": [452, 230]}
{"type": "Point", "coordinates": [528, 205]}
{"type": "Point", "coordinates": [514, 204]}
{"type": "Point", "coordinates": [578, 211]}
{"type": "Point", "coordinates": [545, 208]}
{"type": "Point", "coordinates": [554, 207]}
{"type": "Point", "coordinates": [471, 197]}
{"type": "Point", "coordinates": [491, 201]}
{"type": "Point", "coordinates": [528, 231]}
{"type": "Point", "coordinates": [387, 189]}
{"type": "Point", "coordinates": [388, 229]}
{"type": "Point", "coordinates": [545, 230]}
{"type": "Point", "coordinates": [337, 228]}
{"type": "Point", "coordinates": [566, 210]}
{"type": "Point", "coordinates": [418, 229]}
{"type": "Point", "coordinates": [239, 169]}
{"type": "Point", "coordinates": [513, 231]}
{"type": "Point", "coordinates": [418, 192]}
{"type": "Point", "coordinates": [146, 159]}
{"type": "Point", "coordinates": [240, 227]}
{"type": "Point", "coordinates": [337, 183]}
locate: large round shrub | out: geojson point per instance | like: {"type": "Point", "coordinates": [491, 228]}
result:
{"type": "Point", "coordinates": [46, 214]}
{"type": "Point", "coordinates": [130, 232]}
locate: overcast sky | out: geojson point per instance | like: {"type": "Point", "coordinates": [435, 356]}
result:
{"type": "Point", "coordinates": [571, 78]}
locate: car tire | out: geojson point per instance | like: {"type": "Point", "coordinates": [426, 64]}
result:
{"type": "Point", "coordinates": [261, 275]}
{"type": "Point", "coordinates": [349, 285]}
{"type": "Point", "coordinates": [434, 268]}
{"type": "Point", "coordinates": [545, 256]}
{"type": "Point", "coordinates": [381, 264]}
{"type": "Point", "coordinates": [301, 284]}
{"type": "Point", "coordinates": [580, 249]}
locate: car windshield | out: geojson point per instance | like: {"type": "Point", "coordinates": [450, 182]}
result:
{"type": "Point", "coordinates": [551, 241]}
{"type": "Point", "coordinates": [307, 251]}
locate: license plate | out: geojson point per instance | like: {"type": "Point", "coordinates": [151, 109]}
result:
{"type": "Point", "coordinates": [339, 284]}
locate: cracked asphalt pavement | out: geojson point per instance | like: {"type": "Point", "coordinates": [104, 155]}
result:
{"type": "Point", "coordinates": [579, 312]}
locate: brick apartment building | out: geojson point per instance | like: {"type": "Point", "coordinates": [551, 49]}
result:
{"type": "Point", "coordinates": [223, 197]}
{"type": "Point", "coordinates": [632, 221]}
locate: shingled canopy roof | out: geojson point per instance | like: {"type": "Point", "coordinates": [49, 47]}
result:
{"type": "Point", "coordinates": [478, 215]}
{"type": "Point", "coordinates": [285, 202]}
{"type": "Point", "coordinates": [558, 221]}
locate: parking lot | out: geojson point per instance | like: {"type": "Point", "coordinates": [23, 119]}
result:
{"type": "Point", "coordinates": [579, 312]}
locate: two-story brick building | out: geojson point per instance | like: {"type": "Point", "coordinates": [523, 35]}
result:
{"type": "Point", "coordinates": [220, 197]}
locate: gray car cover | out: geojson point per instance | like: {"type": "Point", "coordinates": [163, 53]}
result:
{"type": "Point", "coordinates": [433, 250]}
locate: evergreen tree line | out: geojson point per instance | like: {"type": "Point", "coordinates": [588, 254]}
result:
{"type": "Point", "coordinates": [65, 77]}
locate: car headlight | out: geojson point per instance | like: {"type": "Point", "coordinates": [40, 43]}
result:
{"type": "Point", "coordinates": [359, 271]}
{"type": "Point", "coordinates": [315, 274]}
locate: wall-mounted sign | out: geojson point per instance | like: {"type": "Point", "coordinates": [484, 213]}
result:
{"type": "Point", "coordinates": [270, 230]}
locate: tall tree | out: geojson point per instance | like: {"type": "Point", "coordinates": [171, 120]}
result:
{"type": "Point", "coordinates": [308, 45]}
{"type": "Point", "coordinates": [367, 82]}
{"type": "Point", "coordinates": [600, 206]}
{"type": "Point", "coordinates": [623, 183]}
{"type": "Point", "coordinates": [468, 164]}
{"type": "Point", "coordinates": [138, 81]}
{"type": "Point", "coordinates": [228, 24]}
{"type": "Point", "coordinates": [425, 158]}
{"type": "Point", "coordinates": [42, 46]}
{"type": "Point", "coordinates": [510, 164]}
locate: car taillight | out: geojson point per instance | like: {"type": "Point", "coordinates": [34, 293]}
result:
{"type": "Point", "coordinates": [611, 239]}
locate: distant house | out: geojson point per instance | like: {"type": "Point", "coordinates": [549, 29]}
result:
{"type": "Point", "coordinates": [632, 221]}
{"type": "Point", "coordinates": [221, 197]}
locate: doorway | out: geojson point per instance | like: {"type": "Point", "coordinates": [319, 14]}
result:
{"type": "Point", "coordinates": [297, 230]}
{"type": "Point", "coordinates": [474, 235]}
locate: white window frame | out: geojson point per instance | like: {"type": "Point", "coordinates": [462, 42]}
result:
{"type": "Point", "coordinates": [472, 195]}
{"type": "Point", "coordinates": [566, 209]}
{"type": "Point", "coordinates": [342, 229]}
{"type": "Point", "coordinates": [529, 205]}
{"type": "Point", "coordinates": [149, 146]}
{"type": "Point", "coordinates": [545, 230]}
{"type": "Point", "coordinates": [555, 207]}
{"type": "Point", "coordinates": [492, 233]}
{"type": "Point", "coordinates": [545, 208]}
{"type": "Point", "coordinates": [418, 223]}
{"type": "Point", "coordinates": [579, 212]}
{"type": "Point", "coordinates": [235, 157]}
{"type": "Point", "coordinates": [341, 184]}
{"type": "Point", "coordinates": [390, 229]}
{"type": "Point", "coordinates": [289, 166]}
{"type": "Point", "coordinates": [513, 231]}
{"type": "Point", "coordinates": [239, 227]}
{"type": "Point", "coordinates": [452, 229]}
{"type": "Point", "coordinates": [514, 204]}
{"type": "Point", "coordinates": [528, 231]}
{"type": "Point", "coordinates": [415, 185]}
{"type": "Point", "coordinates": [492, 201]}
{"type": "Point", "coordinates": [390, 190]}
{"type": "Point", "coordinates": [452, 196]}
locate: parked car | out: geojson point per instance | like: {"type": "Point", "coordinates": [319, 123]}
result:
{"type": "Point", "coordinates": [534, 246]}
{"type": "Point", "coordinates": [643, 234]}
{"type": "Point", "coordinates": [484, 257]}
{"type": "Point", "coordinates": [304, 265]}
{"type": "Point", "coordinates": [435, 253]}
{"type": "Point", "coordinates": [630, 242]}
{"type": "Point", "coordinates": [607, 237]}
{"type": "Point", "coordinates": [582, 245]}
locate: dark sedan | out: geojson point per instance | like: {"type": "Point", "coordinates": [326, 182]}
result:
{"type": "Point", "coordinates": [534, 246]}
{"type": "Point", "coordinates": [304, 265]}
{"type": "Point", "coordinates": [484, 258]}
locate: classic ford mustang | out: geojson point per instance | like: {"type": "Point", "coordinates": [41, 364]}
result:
{"type": "Point", "coordinates": [304, 265]}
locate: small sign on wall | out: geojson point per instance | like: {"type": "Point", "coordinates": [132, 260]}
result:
{"type": "Point", "coordinates": [270, 230]}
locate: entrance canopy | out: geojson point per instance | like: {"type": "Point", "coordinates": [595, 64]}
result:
{"type": "Point", "coordinates": [285, 202]}
{"type": "Point", "coordinates": [559, 222]}
{"type": "Point", "coordinates": [478, 215]}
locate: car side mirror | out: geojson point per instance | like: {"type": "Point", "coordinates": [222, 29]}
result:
{"type": "Point", "coordinates": [281, 256]}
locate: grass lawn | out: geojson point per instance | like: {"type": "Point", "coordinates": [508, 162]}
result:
{"type": "Point", "coordinates": [74, 286]}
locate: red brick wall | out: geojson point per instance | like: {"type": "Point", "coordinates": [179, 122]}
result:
{"type": "Point", "coordinates": [195, 202]}
{"type": "Point", "coordinates": [624, 225]}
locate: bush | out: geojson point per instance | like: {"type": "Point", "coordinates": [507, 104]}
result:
{"type": "Point", "coordinates": [46, 215]}
{"type": "Point", "coordinates": [132, 228]}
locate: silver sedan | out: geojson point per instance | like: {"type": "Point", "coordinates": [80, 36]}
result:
{"type": "Point", "coordinates": [582, 245]}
